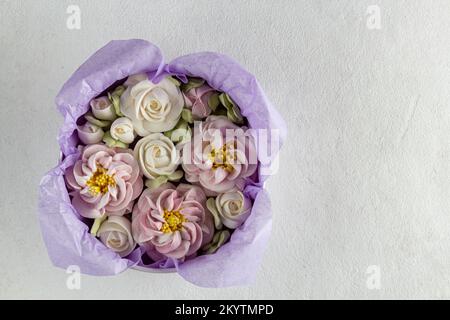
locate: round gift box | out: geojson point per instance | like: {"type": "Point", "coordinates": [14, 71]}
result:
{"type": "Point", "coordinates": [68, 239]}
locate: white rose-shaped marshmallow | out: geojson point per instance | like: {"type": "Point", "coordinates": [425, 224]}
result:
{"type": "Point", "coordinates": [152, 107]}
{"type": "Point", "coordinates": [122, 130]}
{"type": "Point", "coordinates": [230, 209]}
{"type": "Point", "coordinates": [90, 133]}
{"type": "Point", "coordinates": [156, 155]}
{"type": "Point", "coordinates": [103, 109]}
{"type": "Point", "coordinates": [115, 233]}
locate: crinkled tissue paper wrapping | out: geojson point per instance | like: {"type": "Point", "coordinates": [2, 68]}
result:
{"type": "Point", "coordinates": [67, 238]}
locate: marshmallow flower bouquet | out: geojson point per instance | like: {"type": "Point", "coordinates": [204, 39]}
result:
{"type": "Point", "coordinates": [162, 167]}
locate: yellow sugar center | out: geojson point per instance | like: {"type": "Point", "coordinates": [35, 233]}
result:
{"type": "Point", "coordinates": [173, 221]}
{"type": "Point", "coordinates": [100, 181]}
{"type": "Point", "coordinates": [221, 158]}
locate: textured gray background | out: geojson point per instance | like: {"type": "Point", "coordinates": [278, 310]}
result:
{"type": "Point", "coordinates": [364, 178]}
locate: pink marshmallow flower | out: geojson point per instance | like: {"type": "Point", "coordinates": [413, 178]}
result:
{"type": "Point", "coordinates": [220, 156]}
{"type": "Point", "coordinates": [104, 181]}
{"type": "Point", "coordinates": [172, 221]}
{"type": "Point", "coordinates": [197, 99]}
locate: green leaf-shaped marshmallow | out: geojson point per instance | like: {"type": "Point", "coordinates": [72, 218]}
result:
{"type": "Point", "coordinates": [218, 240]}
{"type": "Point", "coordinates": [114, 97]}
{"type": "Point", "coordinates": [192, 83]}
{"type": "Point", "coordinates": [233, 112]}
{"type": "Point", "coordinates": [211, 205]}
{"type": "Point", "coordinates": [182, 132]}
{"type": "Point", "coordinates": [113, 143]}
{"type": "Point", "coordinates": [96, 122]}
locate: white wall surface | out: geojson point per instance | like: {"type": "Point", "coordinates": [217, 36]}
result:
{"type": "Point", "coordinates": [364, 178]}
